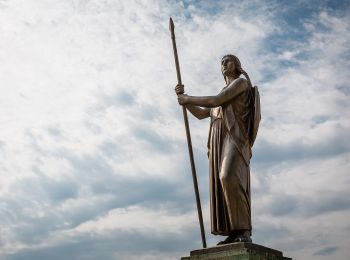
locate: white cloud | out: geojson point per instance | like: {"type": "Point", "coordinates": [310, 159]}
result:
{"type": "Point", "coordinates": [159, 223]}
{"type": "Point", "coordinates": [90, 128]}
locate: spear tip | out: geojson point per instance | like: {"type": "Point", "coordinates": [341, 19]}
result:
{"type": "Point", "coordinates": [171, 24]}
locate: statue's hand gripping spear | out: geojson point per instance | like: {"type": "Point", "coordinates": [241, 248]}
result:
{"type": "Point", "coordinates": [189, 143]}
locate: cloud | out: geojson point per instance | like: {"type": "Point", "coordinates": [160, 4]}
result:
{"type": "Point", "coordinates": [94, 156]}
{"type": "Point", "coordinates": [332, 144]}
{"type": "Point", "coordinates": [89, 247]}
{"type": "Point", "coordinates": [122, 226]}
{"type": "Point", "coordinates": [326, 251]}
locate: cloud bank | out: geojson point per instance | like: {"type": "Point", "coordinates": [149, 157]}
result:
{"type": "Point", "coordinates": [94, 161]}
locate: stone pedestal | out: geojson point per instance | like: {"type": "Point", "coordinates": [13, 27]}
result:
{"type": "Point", "coordinates": [236, 251]}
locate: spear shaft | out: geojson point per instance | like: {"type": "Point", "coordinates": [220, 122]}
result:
{"type": "Point", "coordinates": [188, 135]}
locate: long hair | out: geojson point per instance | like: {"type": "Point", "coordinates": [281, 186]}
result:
{"type": "Point", "coordinates": [250, 116]}
{"type": "Point", "coordinates": [238, 66]}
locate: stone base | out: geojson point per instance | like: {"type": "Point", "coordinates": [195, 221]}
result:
{"type": "Point", "coordinates": [236, 251]}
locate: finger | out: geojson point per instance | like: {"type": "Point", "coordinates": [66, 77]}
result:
{"type": "Point", "coordinates": [180, 90]}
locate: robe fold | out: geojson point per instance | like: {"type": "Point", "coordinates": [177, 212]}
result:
{"type": "Point", "coordinates": [229, 173]}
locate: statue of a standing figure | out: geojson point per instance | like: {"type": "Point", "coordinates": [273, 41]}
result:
{"type": "Point", "coordinates": [235, 117]}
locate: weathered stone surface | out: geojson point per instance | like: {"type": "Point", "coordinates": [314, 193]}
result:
{"type": "Point", "coordinates": [236, 251]}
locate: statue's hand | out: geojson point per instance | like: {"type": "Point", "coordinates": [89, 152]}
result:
{"type": "Point", "coordinates": [179, 89]}
{"type": "Point", "coordinates": [182, 99]}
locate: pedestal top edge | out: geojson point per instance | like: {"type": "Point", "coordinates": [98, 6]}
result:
{"type": "Point", "coordinates": [236, 246]}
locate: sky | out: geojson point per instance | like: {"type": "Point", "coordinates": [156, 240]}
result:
{"type": "Point", "coordinates": [94, 161]}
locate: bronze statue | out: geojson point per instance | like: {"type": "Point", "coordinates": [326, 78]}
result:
{"type": "Point", "coordinates": [235, 117]}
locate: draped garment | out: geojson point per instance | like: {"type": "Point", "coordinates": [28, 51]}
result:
{"type": "Point", "coordinates": [229, 173]}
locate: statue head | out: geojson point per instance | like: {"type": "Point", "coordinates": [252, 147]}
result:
{"type": "Point", "coordinates": [231, 66]}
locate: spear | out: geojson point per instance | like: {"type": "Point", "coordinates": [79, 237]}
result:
{"type": "Point", "coordinates": [188, 135]}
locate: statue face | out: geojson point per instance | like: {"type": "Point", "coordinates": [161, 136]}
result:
{"type": "Point", "coordinates": [228, 67]}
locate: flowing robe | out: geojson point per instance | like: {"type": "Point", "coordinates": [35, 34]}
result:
{"type": "Point", "coordinates": [229, 156]}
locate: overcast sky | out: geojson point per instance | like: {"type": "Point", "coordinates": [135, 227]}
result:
{"type": "Point", "coordinates": [94, 161]}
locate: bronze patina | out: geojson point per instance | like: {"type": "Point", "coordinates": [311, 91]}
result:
{"type": "Point", "coordinates": [235, 117]}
